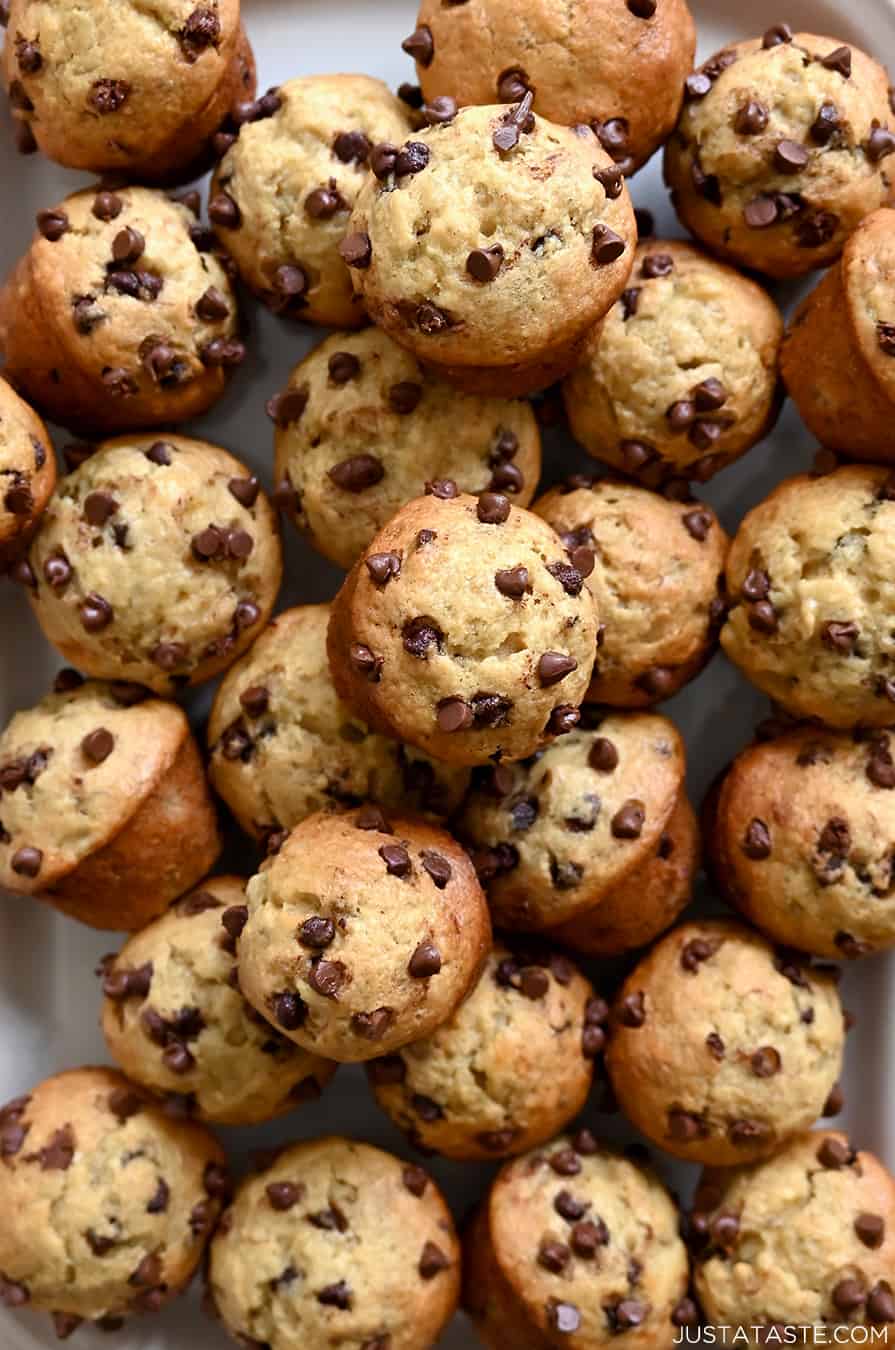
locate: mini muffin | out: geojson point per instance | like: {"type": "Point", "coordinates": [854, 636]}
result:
{"type": "Point", "coordinates": [780, 150]}
{"type": "Point", "coordinates": [556, 834]}
{"type": "Point", "coordinates": [363, 933]}
{"type": "Point", "coordinates": [175, 1021]}
{"type": "Point", "coordinates": [104, 807]}
{"type": "Point", "coordinates": [362, 427]}
{"type": "Point", "coordinates": [117, 87]}
{"type": "Point", "coordinates": [493, 245]}
{"type": "Point", "coordinates": [157, 561]}
{"type": "Point", "coordinates": [810, 584]}
{"type": "Point", "coordinates": [722, 1048]}
{"type": "Point", "coordinates": [476, 1088]}
{"type": "Point", "coordinates": [108, 1202]}
{"type": "Point", "coordinates": [283, 192]}
{"type": "Point", "coordinates": [463, 630]}
{"type": "Point", "coordinates": [802, 840]}
{"type": "Point", "coordinates": [838, 353]}
{"type": "Point", "coordinates": [119, 316]}
{"type": "Point", "coordinates": [336, 1243]}
{"type": "Point", "coordinates": [576, 1245]}
{"type": "Point", "coordinates": [826, 1215]}
{"type": "Point", "coordinates": [27, 473]}
{"type": "Point", "coordinates": [655, 570]}
{"type": "Point", "coordinates": [619, 67]}
{"type": "Point", "coordinates": [647, 901]}
{"type": "Point", "coordinates": [680, 378]}
{"type": "Point", "coordinates": [283, 745]}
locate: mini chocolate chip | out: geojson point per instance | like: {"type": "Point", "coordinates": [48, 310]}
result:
{"type": "Point", "coordinates": [382, 567]}
{"type": "Point", "coordinates": [108, 96]}
{"type": "Point", "coordinates": [765, 1062]}
{"type": "Point", "coordinates": [493, 508]}
{"type": "Point", "coordinates": [425, 961]}
{"type": "Point", "coordinates": [790, 156]}
{"type": "Point", "coordinates": [751, 118]}
{"type": "Point", "coordinates": [289, 1011]}
{"type": "Point", "coordinates": [439, 111]}
{"type": "Point", "coordinates": [284, 1195]}
{"type": "Point", "coordinates": [396, 859]}
{"type": "Point", "coordinates": [327, 978]}
{"type": "Point", "coordinates": [483, 264]}
{"type": "Point", "coordinates": [445, 489]}
{"type": "Point", "coordinates": [839, 635]}
{"type": "Point", "coordinates": [420, 45]}
{"type": "Point", "coordinates": [436, 867]}
{"type": "Point", "coordinates": [316, 932]}
{"type": "Point", "coordinates": [632, 1010]}
{"type": "Point", "coordinates": [356, 250]}
{"type": "Point", "coordinates": [756, 842]}
{"type": "Point", "coordinates": [224, 211]}
{"type": "Point", "coordinates": [404, 397]}
{"type": "Point", "coordinates": [553, 1256]}
{"type": "Point", "coordinates": [432, 1261]}
{"type": "Point", "coordinates": [554, 667]}
{"type": "Point", "coordinates": [825, 124]}
{"type": "Point", "coordinates": [642, 9]}
{"type": "Point", "coordinates": [774, 37]}
{"type": "Point", "coordinates": [834, 1153]}
{"type": "Point", "coordinates": [611, 181]}
{"type": "Point", "coordinates": [415, 1180]}
{"type": "Point", "coordinates": [628, 821]}
{"type": "Point", "coordinates": [383, 158]}
{"type": "Point", "coordinates": [571, 1209]}
{"type": "Point", "coordinates": [694, 952]}
{"type": "Point", "coordinates": [760, 212]}
{"type": "Point", "coordinates": [879, 144]}
{"type": "Point", "coordinates": [563, 719]}
{"type": "Point", "coordinates": [881, 1303]}
{"type": "Point", "coordinates": [325, 202]}
{"type": "Point", "coordinates": [53, 224]}
{"type": "Point", "coordinates": [697, 85]}
{"type": "Point", "coordinates": [838, 60]}
{"type": "Point", "coordinates": [27, 861]}
{"type": "Point", "coordinates": [366, 662]}
{"type": "Point", "coordinates": [835, 1101]}
{"type": "Point", "coordinates": [848, 1295]}
{"type": "Point", "coordinates": [98, 745]}
{"type": "Point", "coordinates": [563, 1317]}
{"type": "Point", "coordinates": [513, 582]}
{"type": "Point", "coordinates": [606, 246]}
{"type": "Point", "coordinates": [159, 453]}
{"type": "Point", "coordinates": [870, 1229]}
{"type": "Point", "coordinates": [763, 617]}
{"type": "Point", "coordinates": [454, 714]}
{"type": "Point", "coordinates": [412, 158]}
{"type": "Point", "coordinates": [357, 473]}
{"type": "Point", "coordinates": [603, 755]}
{"type": "Point", "coordinates": [636, 455]}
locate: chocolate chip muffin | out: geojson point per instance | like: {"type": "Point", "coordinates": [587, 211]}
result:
{"type": "Point", "coordinates": [809, 579]}
{"type": "Point", "coordinates": [336, 1242]}
{"type": "Point", "coordinates": [175, 1021]}
{"type": "Point", "coordinates": [108, 1201]}
{"type": "Point", "coordinates": [117, 87]}
{"type": "Point", "coordinates": [27, 473]}
{"type": "Point", "coordinates": [780, 150]}
{"type": "Point", "coordinates": [283, 192]}
{"type": "Point", "coordinates": [556, 834]}
{"type": "Point", "coordinates": [619, 68]}
{"type": "Point", "coordinates": [493, 245]}
{"type": "Point", "coordinates": [509, 1069]}
{"type": "Point", "coordinates": [826, 1216]}
{"type": "Point", "coordinates": [722, 1048]}
{"type": "Point", "coordinates": [119, 316]}
{"type": "Point", "coordinates": [655, 569]}
{"type": "Point", "coordinates": [647, 900]}
{"type": "Point", "coordinates": [837, 356]}
{"type": "Point", "coordinates": [283, 744]}
{"type": "Point", "coordinates": [575, 1245]}
{"type": "Point", "coordinates": [362, 427]}
{"type": "Point", "coordinates": [803, 837]}
{"type": "Point", "coordinates": [157, 561]}
{"type": "Point", "coordinates": [464, 630]}
{"type": "Point", "coordinates": [104, 807]}
{"type": "Point", "coordinates": [680, 378]}
{"type": "Point", "coordinates": [364, 933]}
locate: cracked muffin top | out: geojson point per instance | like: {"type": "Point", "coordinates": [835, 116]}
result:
{"type": "Point", "coordinates": [158, 561]}
{"type": "Point", "coordinates": [497, 237]}
{"type": "Point", "coordinates": [809, 578]}
{"type": "Point", "coordinates": [803, 840]}
{"type": "Point", "coordinates": [680, 378]}
{"type": "Point", "coordinates": [807, 1238]}
{"type": "Point", "coordinates": [781, 149]}
{"type": "Point", "coordinates": [336, 1242]}
{"type": "Point", "coordinates": [723, 1047]}
{"type": "Point", "coordinates": [283, 192]}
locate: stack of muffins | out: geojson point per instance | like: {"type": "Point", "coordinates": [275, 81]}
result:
{"type": "Point", "coordinates": [465, 846]}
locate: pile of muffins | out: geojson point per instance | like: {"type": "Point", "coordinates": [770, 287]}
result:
{"type": "Point", "coordinates": [468, 846]}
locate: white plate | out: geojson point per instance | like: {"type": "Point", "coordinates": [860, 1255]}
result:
{"type": "Point", "coordinates": [48, 995]}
